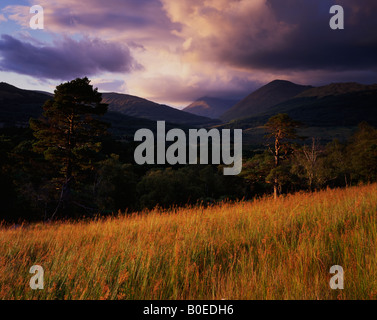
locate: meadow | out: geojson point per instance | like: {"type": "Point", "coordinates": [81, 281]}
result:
{"type": "Point", "coordinates": [260, 249]}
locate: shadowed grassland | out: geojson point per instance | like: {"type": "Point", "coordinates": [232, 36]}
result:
{"type": "Point", "coordinates": [263, 249]}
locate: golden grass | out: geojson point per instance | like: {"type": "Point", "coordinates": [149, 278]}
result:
{"type": "Point", "coordinates": [263, 249]}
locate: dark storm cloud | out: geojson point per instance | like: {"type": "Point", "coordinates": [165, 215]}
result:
{"type": "Point", "coordinates": [141, 19]}
{"type": "Point", "coordinates": [311, 44]}
{"type": "Point", "coordinates": [191, 48]}
{"type": "Point", "coordinates": [65, 59]}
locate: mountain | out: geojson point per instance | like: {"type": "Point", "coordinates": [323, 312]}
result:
{"type": "Point", "coordinates": [142, 108]}
{"type": "Point", "coordinates": [265, 97]}
{"type": "Point", "coordinates": [336, 89]}
{"type": "Point", "coordinates": [336, 104]}
{"type": "Point", "coordinates": [330, 111]}
{"type": "Point", "coordinates": [210, 107]}
{"type": "Point", "coordinates": [327, 112]}
{"type": "Point", "coordinates": [18, 105]}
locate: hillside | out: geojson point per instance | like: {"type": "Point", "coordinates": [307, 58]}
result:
{"type": "Point", "coordinates": [18, 105]}
{"type": "Point", "coordinates": [327, 106]}
{"type": "Point", "coordinates": [336, 89]}
{"type": "Point", "coordinates": [262, 99]}
{"type": "Point", "coordinates": [142, 108]}
{"type": "Point", "coordinates": [333, 105]}
{"type": "Point", "coordinates": [327, 112]}
{"type": "Point", "coordinates": [263, 249]}
{"type": "Point", "coordinates": [210, 107]}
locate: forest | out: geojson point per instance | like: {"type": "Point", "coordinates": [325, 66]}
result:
{"type": "Point", "coordinates": [67, 165]}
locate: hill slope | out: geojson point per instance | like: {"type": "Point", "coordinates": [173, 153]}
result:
{"type": "Point", "coordinates": [142, 108]}
{"type": "Point", "coordinates": [210, 107]}
{"type": "Point", "coordinates": [263, 249]}
{"type": "Point", "coordinates": [262, 99]}
{"type": "Point", "coordinates": [340, 104]}
{"type": "Point", "coordinates": [17, 106]}
{"type": "Point", "coordinates": [327, 112]}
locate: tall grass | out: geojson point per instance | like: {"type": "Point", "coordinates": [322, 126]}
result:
{"type": "Point", "coordinates": [263, 249]}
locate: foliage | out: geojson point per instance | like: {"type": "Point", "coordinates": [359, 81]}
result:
{"type": "Point", "coordinates": [67, 165]}
{"type": "Point", "coordinates": [363, 153]}
{"type": "Point", "coordinates": [281, 128]}
{"type": "Point", "coordinates": [69, 136]}
{"type": "Point", "coordinates": [185, 185]}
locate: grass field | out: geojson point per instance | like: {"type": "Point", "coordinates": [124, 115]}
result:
{"type": "Point", "coordinates": [263, 249]}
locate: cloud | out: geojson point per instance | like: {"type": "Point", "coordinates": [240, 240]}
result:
{"type": "Point", "coordinates": [312, 45]}
{"type": "Point", "coordinates": [142, 20]}
{"type": "Point", "coordinates": [19, 14]}
{"type": "Point", "coordinates": [109, 85]}
{"type": "Point", "coordinates": [225, 30]}
{"type": "Point", "coordinates": [191, 48]}
{"type": "Point", "coordinates": [65, 59]}
{"type": "Point", "coordinates": [277, 35]}
{"type": "Point", "coordinates": [180, 89]}
{"type": "Point", "coordinates": [2, 18]}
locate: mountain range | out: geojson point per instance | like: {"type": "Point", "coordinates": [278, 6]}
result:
{"type": "Point", "coordinates": [329, 111]}
{"type": "Point", "coordinates": [336, 104]}
{"type": "Point", "coordinates": [126, 113]}
{"type": "Point", "coordinates": [141, 108]}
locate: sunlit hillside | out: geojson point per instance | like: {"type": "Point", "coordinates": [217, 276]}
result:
{"type": "Point", "coordinates": [263, 249]}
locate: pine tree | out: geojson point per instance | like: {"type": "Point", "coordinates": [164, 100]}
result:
{"type": "Point", "coordinates": [280, 127]}
{"type": "Point", "coordinates": [69, 135]}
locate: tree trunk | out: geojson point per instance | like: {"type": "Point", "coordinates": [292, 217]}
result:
{"type": "Point", "coordinates": [277, 157]}
{"type": "Point", "coordinates": [275, 188]}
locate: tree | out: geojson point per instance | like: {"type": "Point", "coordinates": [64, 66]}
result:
{"type": "Point", "coordinates": [362, 152]}
{"type": "Point", "coordinates": [115, 185]}
{"type": "Point", "coordinates": [254, 172]}
{"type": "Point", "coordinates": [307, 163]}
{"type": "Point", "coordinates": [7, 194]}
{"type": "Point", "coordinates": [334, 167]}
{"type": "Point", "coordinates": [69, 134]}
{"type": "Point", "coordinates": [168, 187]}
{"type": "Point", "coordinates": [281, 128]}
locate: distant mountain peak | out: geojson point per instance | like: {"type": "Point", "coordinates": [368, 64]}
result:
{"type": "Point", "coordinates": [146, 109]}
{"type": "Point", "coordinates": [210, 107]}
{"type": "Point", "coordinates": [281, 81]}
{"type": "Point", "coordinates": [265, 97]}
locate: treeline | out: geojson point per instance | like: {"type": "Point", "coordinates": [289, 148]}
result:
{"type": "Point", "coordinates": [66, 165]}
{"type": "Point", "coordinates": [31, 188]}
{"type": "Point", "coordinates": [313, 166]}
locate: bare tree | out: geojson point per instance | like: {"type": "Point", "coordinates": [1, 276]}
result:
{"type": "Point", "coordinates": [309, 161]}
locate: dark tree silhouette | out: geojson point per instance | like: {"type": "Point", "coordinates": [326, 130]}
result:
{"type": "Point", "coordinates": [69, 134]}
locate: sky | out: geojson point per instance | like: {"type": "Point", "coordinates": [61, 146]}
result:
{"type": "Point", "coordinates": [176, 51]}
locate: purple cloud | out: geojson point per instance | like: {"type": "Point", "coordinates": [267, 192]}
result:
{"type": "Point", "coordinates": [140, 20]}
{"type": "Point", "coordinates": [66, 59]}
{"type": "Point", "coordinates": [279, 36]}
{"type": "Point", "coordinates": [109, 85]}
{"type": "Point", "coordinates": [310, 44]}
